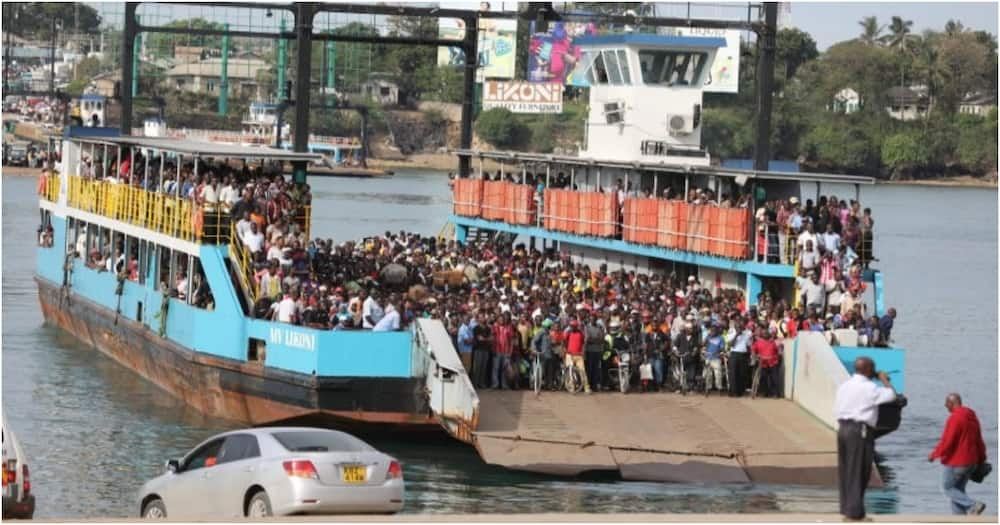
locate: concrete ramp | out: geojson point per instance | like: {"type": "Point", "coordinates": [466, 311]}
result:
{"type": "Point", "coordinates": [656, 437]}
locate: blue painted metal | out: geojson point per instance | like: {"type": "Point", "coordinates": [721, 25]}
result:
{"type": "Point", "coordinates": [225, 331]}
{"type": "Point", "coordinates": [461, 232]}
{"type": "Point", "coordinates": [753, 288]}
{"type": "Point", "coordinates": [795, 365]}
{"type": "Point", "coordinates": [890, 360]}
{"type": "Point", "coordinates": [710, 261]}
{"type": "Point", "coordinates": [645, 39]}
{"type": "Point", "coordinates": [878, 291]}
{"type": "Point", "coordinates": [82, 132]}
{"type": "Point", "coordinates": [783, 166]}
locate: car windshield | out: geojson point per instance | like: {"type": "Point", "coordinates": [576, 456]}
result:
{"type": "Point", "coordinates": [317, 441]}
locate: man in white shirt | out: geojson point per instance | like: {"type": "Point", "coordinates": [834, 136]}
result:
{"type": "Point", "coordinates": [390, 322]}
{"type": "Point", "coordinates": [208, 194]}
{"type": "Point", "coordinates": [243, 225]}
{"type": "Point", "coordinates": [227, 195]}
{"type": "Point", "coordinates": [254, 240]}
{"type": "Point", "coordinates": [807, 235]}
{"type": "Point", "coordinates": [371, 311]}
{"type": "Point", "coordinates": [284, 311]}
{"type": "Point", "coordinates": [830, 238]}
{"type": "Point", "coordinates": [856, 411]}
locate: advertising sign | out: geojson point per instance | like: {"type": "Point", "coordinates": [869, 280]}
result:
{"type": "Point", "coordinates": [497, 45]}
{"type": "Point", "coordinates": [552, 55]}
{"type": "Point", "coordinates": [724, 76]}
{"type": "Point", "coordinates": [523, 97]}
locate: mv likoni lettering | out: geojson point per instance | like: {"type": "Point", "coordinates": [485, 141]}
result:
{"type": "Point", "coordinates": [281, 336]}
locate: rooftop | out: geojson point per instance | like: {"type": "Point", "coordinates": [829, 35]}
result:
{"type": "Point", "coordinates": [201, 148]}
{"type": "Point", "coordinates": [238, 68]}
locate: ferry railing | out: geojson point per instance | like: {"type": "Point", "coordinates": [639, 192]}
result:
{"type": "Point", "coordinates": [134, 205]}
{"type": "Point", "coordinates": [48, 186]}
{"type": "Point", "coordinates": [241, 257]}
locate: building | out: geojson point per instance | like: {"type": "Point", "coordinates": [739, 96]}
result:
{"type": "Point", "coordinates": [104, 83]}
{"type": "Point", "coordinates": [978, 104]}
{"type": "Point", "coordinates": [205, 76]}
{"type": "Point", "coordinates": [846, 101]}
{"type": "Point", "coordinates": [905, 103]}
{"type": "Point", "coordinates": [184, 54]}
{"type": "Point", "coordinates": [382, 91]}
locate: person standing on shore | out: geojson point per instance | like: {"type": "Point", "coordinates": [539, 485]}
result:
{"type": "Point", "coordinates": [961, 449]}
{"type": "Point", "coordinates": [856, 411]}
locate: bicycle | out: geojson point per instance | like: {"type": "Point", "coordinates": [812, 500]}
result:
{"type": "Point", "coordinates": [571, 378]}
{"type": "Point", "coordinates": [536, 374]}
{"type": "Point", "coordinates": [621, 374]}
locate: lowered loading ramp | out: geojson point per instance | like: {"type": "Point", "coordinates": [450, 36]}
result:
{"type": "Point", "coordinates": [657, 437]}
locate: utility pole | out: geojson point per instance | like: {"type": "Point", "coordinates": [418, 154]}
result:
{"type": "Point", "coordinates": [470, 46]}
{"type": "Point", "coordinates": [766, 43]}
{"type": "Point", "coordinates": [135, 61]}
{"type": "Point", "coordinates": [52, 60]}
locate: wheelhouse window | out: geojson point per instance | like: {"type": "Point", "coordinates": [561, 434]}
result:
{"type": "Point", "coordinates": [672, 68]}
{"type": "Point", "coordinates": [608, 66]}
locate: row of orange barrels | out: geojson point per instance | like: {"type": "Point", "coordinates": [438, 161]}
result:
{"type": "Point", "coordinates": [495, 200]}
{"type": "Point", "coordinates": [679, 225]}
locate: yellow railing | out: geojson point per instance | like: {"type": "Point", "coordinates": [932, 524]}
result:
{"type": "Point", "coordinates": [155, 211]}
{"type": "Point", "coordinates": [304, 219]}
{"type": "Point", "coordinates": [240, 254]}
{"type": "Point", "coordinates": [48, 187]}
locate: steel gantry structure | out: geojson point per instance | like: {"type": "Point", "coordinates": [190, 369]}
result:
{"type": "Point", "coordinates": [543, 12]}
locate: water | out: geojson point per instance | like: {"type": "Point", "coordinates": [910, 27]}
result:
{"type": "Point", "coordinates": [94, 431]}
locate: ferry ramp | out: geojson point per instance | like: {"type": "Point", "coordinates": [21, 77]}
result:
{"type": "Point", "coordinates": [656, 437]}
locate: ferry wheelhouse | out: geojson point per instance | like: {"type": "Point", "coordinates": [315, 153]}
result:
{"type": "Point", "coordinates": [200, 341]}
{"type": "Point", "coordinates": [625, 203]}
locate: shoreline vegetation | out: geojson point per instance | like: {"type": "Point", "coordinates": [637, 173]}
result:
{"type": "Point", "coordinates": [445, 162]}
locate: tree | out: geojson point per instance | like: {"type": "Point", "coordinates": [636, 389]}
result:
{"type": "Point", "coordinates": [413, 66]}
{"type": "Point", "coordinates": [899, 33]}
{"type": "Point", "coordinates": [501, 128]}
{"type": "Point", "coordinates": [87, 69]}
{"type": "Point", "coordinates": [953, 27]}
{"type": "Point", "coordinates": [904, 153]}
{"type": "Point", "coordinates": [870, 30]}
{"type": "Point", "coordinates": [162, 44]}
{"type": "Point", "coordinates": [794, 48]}
{"type": "Point", "coordinates": [840, 143]}
{"type": "Point", "coordinates": [963, 65]}
{"type": "Point", "coordinates": [976, 146]}
{"type": "Point", "coordinates": [34, 19]}
{"type": "Point", "coordinates": [727, 132]}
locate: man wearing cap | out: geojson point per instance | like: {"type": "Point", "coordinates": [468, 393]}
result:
{"type": "Point", "coordinates": [541, 344]}
{"type": "Point", "coordinates": [574, 351]}
{"type": "Point", "coordinates": [714, 345]}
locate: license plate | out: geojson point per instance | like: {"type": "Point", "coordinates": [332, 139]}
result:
{"type": "Point", "coordinates": [354, 474]}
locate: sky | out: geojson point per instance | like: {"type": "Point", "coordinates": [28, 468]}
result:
{"type": "Point", "coordinates": [832, 22]}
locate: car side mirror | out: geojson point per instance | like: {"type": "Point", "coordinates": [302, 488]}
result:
{"type": "Point", "coordinates": [173, 465]}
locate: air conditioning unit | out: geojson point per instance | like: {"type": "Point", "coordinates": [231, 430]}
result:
{"type": "Point", "coordinates": [614, 112]}
{"type": "Point", "coordinates": [680, 124]}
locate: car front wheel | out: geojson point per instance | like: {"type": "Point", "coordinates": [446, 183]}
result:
{"type": "Point", "coordinates": [259, 506]}
{"type": "Point", "coordinates": [154, 510]}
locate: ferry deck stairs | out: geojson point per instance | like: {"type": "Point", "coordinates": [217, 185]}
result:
{"type": "Point", "coordinates": [650, 436]}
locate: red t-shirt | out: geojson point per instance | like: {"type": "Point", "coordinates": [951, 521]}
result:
{"type": "Point", "coordinates": [574, 342]}
{"type": "Point", "coordinates": [961, 443]}
{"type": "Point", "coordinates": [768, 352]}
{"type": "Point", "coordinates": [503, 338]}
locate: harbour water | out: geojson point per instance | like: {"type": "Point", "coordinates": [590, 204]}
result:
{"type": "Point", "coordinates": [94, 431]}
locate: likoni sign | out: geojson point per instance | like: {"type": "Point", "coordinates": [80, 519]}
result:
{"type": "Point", "coordinates": [523, 97]}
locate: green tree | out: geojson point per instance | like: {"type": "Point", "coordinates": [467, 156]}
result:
{"type": "Point", "coordinates": [953, 27]}
{"type": "Point", "coordinates": [501, 128]}
{"type": "Point", "coordinates": [794, 48]}
{"type": "Point", "coordinates": [899, 33]}
{"type": "Point", "coordinates": [870, 31]}
{"type": "Point", "coordinates": [840, 143]}
{"type": "Point", "coordinates": [34, 19]}
{"type": "Point", "coordinates": [976, 147]}
{"type": "Point", "coordinates": [413, 67]}
{"type": "Point", "coordinates": [904, 153]}
{"type": "Point", "coordinates": [963, 65]}
{"type": "Point", "coordinates": [87, 69]}
{"type": "Point", "coordinates": [727, 132]}
{"type": "Point", "coordinates": [162, 44]}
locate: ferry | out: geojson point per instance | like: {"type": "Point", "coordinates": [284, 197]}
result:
{"type": "Point", "coordinates": [643, 128]}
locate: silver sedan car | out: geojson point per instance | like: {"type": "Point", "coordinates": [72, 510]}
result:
{"type": "Point", "coordinates": [275, 471]}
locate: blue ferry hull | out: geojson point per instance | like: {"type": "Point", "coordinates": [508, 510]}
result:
{"type": "Point", "coordinates": [243, 392]}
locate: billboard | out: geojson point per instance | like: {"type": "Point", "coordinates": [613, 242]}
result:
{"type": "Point", "coordinates": [523, 97]}
{"type": "Point", "coordinates": [552, 55]}
{"type": "Point", "coordinates": [724, 75]}
{"type": "Point", "coordinates": [497, 44]}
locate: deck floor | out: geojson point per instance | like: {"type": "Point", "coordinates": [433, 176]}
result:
{"type": "Point", "coordinates": [657, 437]}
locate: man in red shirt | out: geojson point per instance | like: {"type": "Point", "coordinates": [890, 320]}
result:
{"type": "Point", "coordinates": [767, 353]}
{"type": "Point", "coordinates": [504, 339]}
{"type": "Point", "coordinates": [961, 450]}
{"type": "Point", "coordinates": [574, 351]}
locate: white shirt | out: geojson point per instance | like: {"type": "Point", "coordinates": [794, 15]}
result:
{"type": "Point", "coordinates": [227, 195]}
{"type": "Point", "coordinates": [389, 322]}
{"type": "Point", "coordinates": [208, 194]}
{"type": "Point", "coordinates": [254, 241]}
{"type": "Point", "coordinates": [806, 236]}
{"type": "Point", "coordinates": [286, 308]}
{"type": "Point", "coordinates": [370, 309]}
{"type": "Point", "coordinates": [243, 227]}
{"type": "Point", "coordinates": [831, 241]}
{"type": "Point", "coordinates": [858, 399]}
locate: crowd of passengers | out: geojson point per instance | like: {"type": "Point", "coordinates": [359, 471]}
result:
{"type": "Point", "coordinates": [502, 303]}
